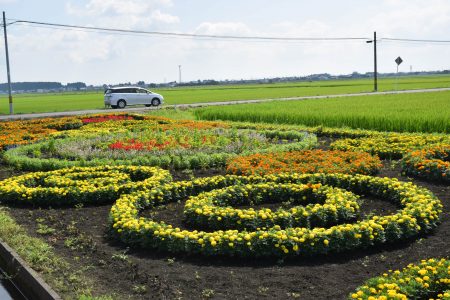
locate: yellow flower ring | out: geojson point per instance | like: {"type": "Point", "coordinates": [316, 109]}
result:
{"type": "Point", "coordinates": [419, 214]}
{"type": "Point", "coordinates": [430, 279]}
{"type": "Point", "coordinates": [86, 185]}
{"type": "Point", "coordinates": [392, 145]}
{"type": "Point", "coordinates": [327, 206]}
{"type": "Point", "coordinates": [431, 163]}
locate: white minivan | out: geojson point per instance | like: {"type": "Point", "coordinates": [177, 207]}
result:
{"type": "Point", "coordinates": [120, 97]}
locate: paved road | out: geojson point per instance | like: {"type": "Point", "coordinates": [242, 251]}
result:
{"type": "Point", "coordinates": [193, 105]}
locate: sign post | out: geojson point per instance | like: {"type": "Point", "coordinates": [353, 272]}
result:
{"type": "Point", "coordinates": [398, 61]}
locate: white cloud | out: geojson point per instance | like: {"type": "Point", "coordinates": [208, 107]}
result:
{"type": "Point", "coordinates": [158, 16]}
{"type": "Point", "coordinates": [412, 18]}
{"type": "Point", "coordinates": [77, 46]}
{"type": "Point", "coordinates": [308, 28]}
{"type": "Point", "coordinates": [223, 28]}
{"type": "Point", "coordinates": [116, 7]}
{"type": "Point", "coordinates": [126, 14]}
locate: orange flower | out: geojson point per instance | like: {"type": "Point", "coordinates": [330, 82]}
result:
{"type": "Point", "coordinates": [307, 161]}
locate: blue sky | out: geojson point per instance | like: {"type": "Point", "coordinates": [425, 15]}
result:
{"type": "Point", "coordinates": [42, 54]}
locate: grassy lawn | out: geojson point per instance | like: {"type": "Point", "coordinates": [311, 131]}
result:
{"type": "Point", "coordinates": [29, 103]}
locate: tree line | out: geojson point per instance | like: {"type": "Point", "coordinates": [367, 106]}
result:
{"type": "Point", "coordinates": [41, 85]}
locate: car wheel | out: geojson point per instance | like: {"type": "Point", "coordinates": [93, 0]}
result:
{"type": "Point", "coordinates": [155, 102]}
{"type": "Point", "coordinates": [121, 104]}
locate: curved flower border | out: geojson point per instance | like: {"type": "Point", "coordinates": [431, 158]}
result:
{"type": "Point", "coordinates": [87, 185]}
{"type": "Point", "coordinates": [419, 214]}
{"type": "Point", "coordinates": [327, 206]}
{"type": "Point", "coordinates": [429, 278]}
{"type": "Point", "coordinates": [307, 161]}
{"type": "Point", "coordinates": [392, 146]}
{"type": "Point", "coordinates": [431, 163]}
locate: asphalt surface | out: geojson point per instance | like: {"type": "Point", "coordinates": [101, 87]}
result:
{"type": "Point", "coordinates": [193, 105]}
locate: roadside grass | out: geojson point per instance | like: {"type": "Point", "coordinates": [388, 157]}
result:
{"type": "Point", "coordinates": [30, 103]}
{"type": "Point", "coordinates": [422, 112]}
{"type": "Point", "coordinates": [176, 114]}
{"type": "Point", "coordinates": [58, 273]}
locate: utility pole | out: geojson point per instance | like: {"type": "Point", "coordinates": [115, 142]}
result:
{"type": "Point", "coordinates": [11, 111]}
{"type": "Point", "coordinates": [375, 72]}
{"type": "Point", "coordinates": [179, 74]}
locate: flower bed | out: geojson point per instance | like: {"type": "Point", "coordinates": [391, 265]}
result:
{"type": "Point", "coordinates": [135, 122]}
{"type": "Point", "coordinates": [79, 185]}
{"type": "Point", "coordinates": [430, 279]}
{"type": "Point", "coordinates": [432, 163]}
{"type": "Point", "coordinates": [22, 132]}
{"type": "Point", "coordinates": [419, 214]}
{"type": "Point", "coordinates": [316, 205]}
{"type": "Point", "coordinates": [14, 133]}
{"type": "Point", "coordinates": [186, 148]}
{"type": "Point", "coordinates": [335, 132]}
{"type": "Point", "coordinates": [105, 118]}
{"type": "Point", "coordinates": [392, 146]}
{"type": "Point", "coordinates": [176, 139]}
{"type": "Point", "coordinates": [308, 161]}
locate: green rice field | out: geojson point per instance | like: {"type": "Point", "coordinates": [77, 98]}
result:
{"type": "Point", "coordinates": [421, 112]}
{"type": "Point", "coordinates": [29, 103]}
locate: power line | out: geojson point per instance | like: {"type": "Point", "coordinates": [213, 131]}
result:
{"type": "Point", "coordinates": [209, 36]}
{"type": "Point", "coordinates": [189, 35]}
{"type": "Point", "coordinates": [176, 37]}
{"type": "Point", "coordinates": [415, 40]}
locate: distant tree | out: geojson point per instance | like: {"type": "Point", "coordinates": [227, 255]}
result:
{"type": "Point", "coordinates": [30, 86]}
{"type": "Point", "coordinates": [76, 85]}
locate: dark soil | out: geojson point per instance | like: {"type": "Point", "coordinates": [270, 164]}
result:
{"type": "Point", "coordinates": [81, 238]}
